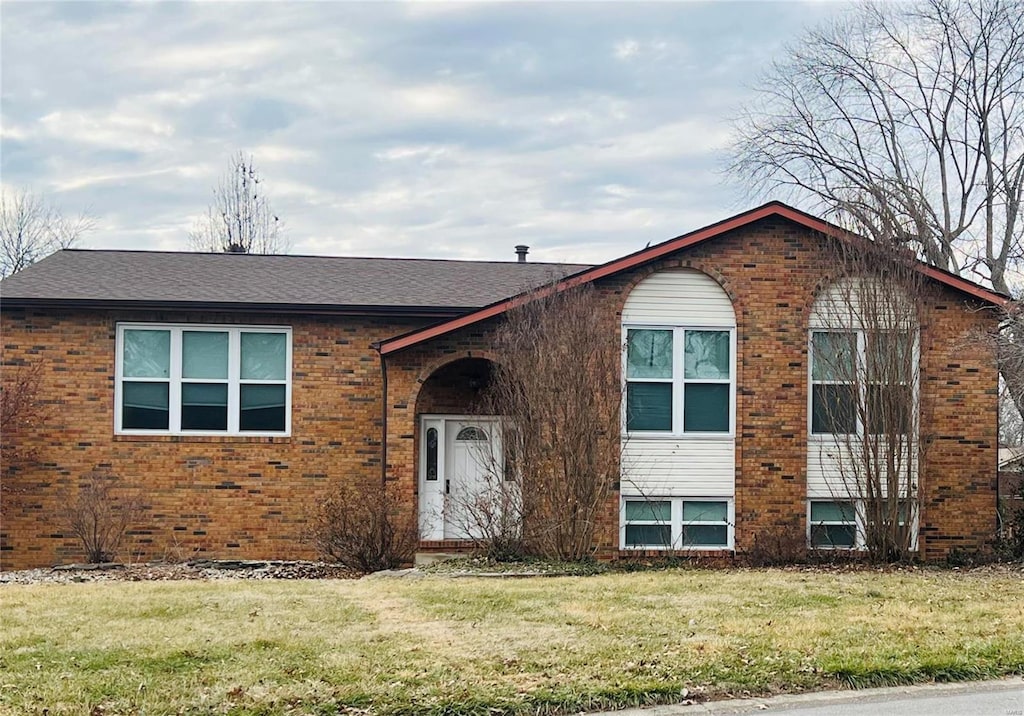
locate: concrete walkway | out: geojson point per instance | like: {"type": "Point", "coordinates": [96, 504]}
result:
{"type": "Point", "coordinates": [1004, 697]}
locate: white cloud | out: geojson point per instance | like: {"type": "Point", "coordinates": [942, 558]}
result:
{"type": "Point", "coordinates": [120, 130]}
{"type": "Point", "coordinates": [426, 153]}
{"type": "Point", "coordinates": [626, 49]}
{"type": "Point", "coordinates": [279, 153]}
{"type": "Point", "coordinates": [442, 129]}
{"type": "Point", "coordinates": [222, 56]}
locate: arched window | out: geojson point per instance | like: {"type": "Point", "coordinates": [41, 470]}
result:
{"type": "Point", "coordinates": [471, 433]}
{"type": "Point", "coordinates": [679, 446]}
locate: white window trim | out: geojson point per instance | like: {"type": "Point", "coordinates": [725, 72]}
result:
{"type": "Point", "coordinates": [861, 361]}
{"type": "Point", "coordinates": [859, 544]}
{"type": "Point", "coordinates": [175, 379]}
{"type": "Point", "coordinates": [679, 382]}
{"type": "Point", "coordinates": [677, 524]}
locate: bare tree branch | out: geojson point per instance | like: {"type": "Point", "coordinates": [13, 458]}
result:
{"type": "Point", "coordinates": [31, 228]}
{"type": "Point", "coordinates": [866, 394]}
{"type": "Point", "coordinates": [240, 220]}
{"type": "Point", "coordinates": [906, 122]}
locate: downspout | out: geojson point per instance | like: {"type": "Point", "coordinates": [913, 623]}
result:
{"type": "Point", "coordinates": [999, 417]}
{"type": "Point", "coordinates": [383, 417]}
{"type": "Point", "coordinates": [1003, 325]}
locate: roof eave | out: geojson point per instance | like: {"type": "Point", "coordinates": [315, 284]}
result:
{"type": "Point", "coordinates": [238, 307]}
{"type": "Point", "coordinates": [637, 258]}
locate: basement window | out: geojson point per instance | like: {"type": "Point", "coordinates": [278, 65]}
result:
{"type": "Point", "coordinates": [661, 523]}
{"type": "Point", "coordinates": [189, 379]}
{"type": "Point", "coordinates": [833, 525]}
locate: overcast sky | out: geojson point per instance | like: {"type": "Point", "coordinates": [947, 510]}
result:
{"type": "Point", "coordinates": [449, 130]}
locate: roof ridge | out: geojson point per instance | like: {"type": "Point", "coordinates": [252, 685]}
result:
{"type": "Point", "coordinates": [321, 257]}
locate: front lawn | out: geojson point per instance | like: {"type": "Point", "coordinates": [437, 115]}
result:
{"type": "Point", "coordinates": [456, 646]}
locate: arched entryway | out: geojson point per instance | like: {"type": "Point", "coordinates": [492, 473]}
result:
{"type": "Point", "coordinates": [458, 449]}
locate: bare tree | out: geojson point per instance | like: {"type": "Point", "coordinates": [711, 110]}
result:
{"type": "Point", "coordinates": [905, 121]}
{"type": "Point", "coordinates": [557, 386]}
{"type": "Point", "coordinates": [31, 228]}
{"type": "Point", "coordinates": [240, 220]}
{"type": "Point", "coordinates": [865, 379]}
{"type": "Point", "coordinates": [1011, 424]}
{"type": "Point", "coordinates": [22, 413]}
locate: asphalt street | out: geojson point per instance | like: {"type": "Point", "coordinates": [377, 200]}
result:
{"type": "Point", "coordinates": [1004, 697]}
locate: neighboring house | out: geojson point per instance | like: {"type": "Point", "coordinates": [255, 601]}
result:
{"type": "Point", "coordinates": [237, 389]}
{"type": "Point", "coordinates": [1011, 474]}
{"type": "Point", "coordinates": [1011, 468]}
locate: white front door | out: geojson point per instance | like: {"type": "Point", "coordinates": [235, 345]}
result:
{"type": "Point", "coordinates": [460, 468]}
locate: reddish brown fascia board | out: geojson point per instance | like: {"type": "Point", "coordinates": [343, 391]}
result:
{"type": "Point", "coordinates": [772, 209]}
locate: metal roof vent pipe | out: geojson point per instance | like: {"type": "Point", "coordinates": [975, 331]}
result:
{"type": "Point", "coordinates": [521, 252]}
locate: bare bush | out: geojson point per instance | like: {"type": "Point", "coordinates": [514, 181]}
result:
{"type": "Point", "coordinates": [364, 528]}
{"type": "Point", "coordinates": [99, 514]}
{"type": "Point", "coordinates": [1011, 518]}
{"type": "Point", "coordinates": [556, 385]}
{"type": "Point", "coordinates": [776, 546]}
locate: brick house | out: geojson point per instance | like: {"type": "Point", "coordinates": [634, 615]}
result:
{"type": "Point", "coordinates": [237, 389]}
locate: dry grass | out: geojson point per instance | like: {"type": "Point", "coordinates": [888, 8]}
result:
{"type": "Point", "coordinates": [461, 646]}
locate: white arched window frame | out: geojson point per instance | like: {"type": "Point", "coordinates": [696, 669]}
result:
{"type": "Point", "coordinates": [845, 339]}
{"type": "Point", "coordinates": [679, 368]}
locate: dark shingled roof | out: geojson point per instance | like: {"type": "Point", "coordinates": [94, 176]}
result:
{"type": "Point", "coordinates": [145, 278]}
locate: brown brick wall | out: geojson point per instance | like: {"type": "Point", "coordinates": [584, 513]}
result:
{"type": "Point", "coordinates": [772, 271]}
{"type": "Point", "coordinates": [204, 496]}
{"type": "Point", "coordinates": [250, 497]}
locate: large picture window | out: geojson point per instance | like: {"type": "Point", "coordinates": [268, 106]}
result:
{"type": "Point", "coordinates": [679, 380]}
{"type": "Point", "coordinates": [201, 379]}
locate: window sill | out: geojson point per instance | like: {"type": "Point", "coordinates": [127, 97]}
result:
{"type": "Point", "coordinates": [662, 553]}
{"type": "Point", "coordinates": [241, 439]}
{"type": "Point", "coordinates": [686, 550]}
{"type": "Point", "coordinates": [711, 437]}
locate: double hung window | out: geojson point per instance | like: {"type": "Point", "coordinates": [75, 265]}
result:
{"type": "Point", "coordinates": [679, 380]}
{"type": "Point", "coordinates": [200, 379]}
{"type": "Point", "coordinates": [861, 382]}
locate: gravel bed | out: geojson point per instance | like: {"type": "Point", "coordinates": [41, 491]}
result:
{"type": "Point", "coordinates": [198, 569]}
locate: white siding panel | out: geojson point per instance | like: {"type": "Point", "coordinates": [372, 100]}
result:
{"type": "Point", "coordinates": [842, 305]}
{"type": "Point", "coordinates": [692, 467]}
{"type": "Point", "coordinates": [679, 297]}
{"type": "Point", "coordinates": [825, 472]}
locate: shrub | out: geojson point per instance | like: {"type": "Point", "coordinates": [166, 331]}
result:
{"type": "Point", "coordinates": [777, 546]}
{"type": "Point", "coordinates": [364, 529]}
{"type": "Point", "coordinates": [99, 514]}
